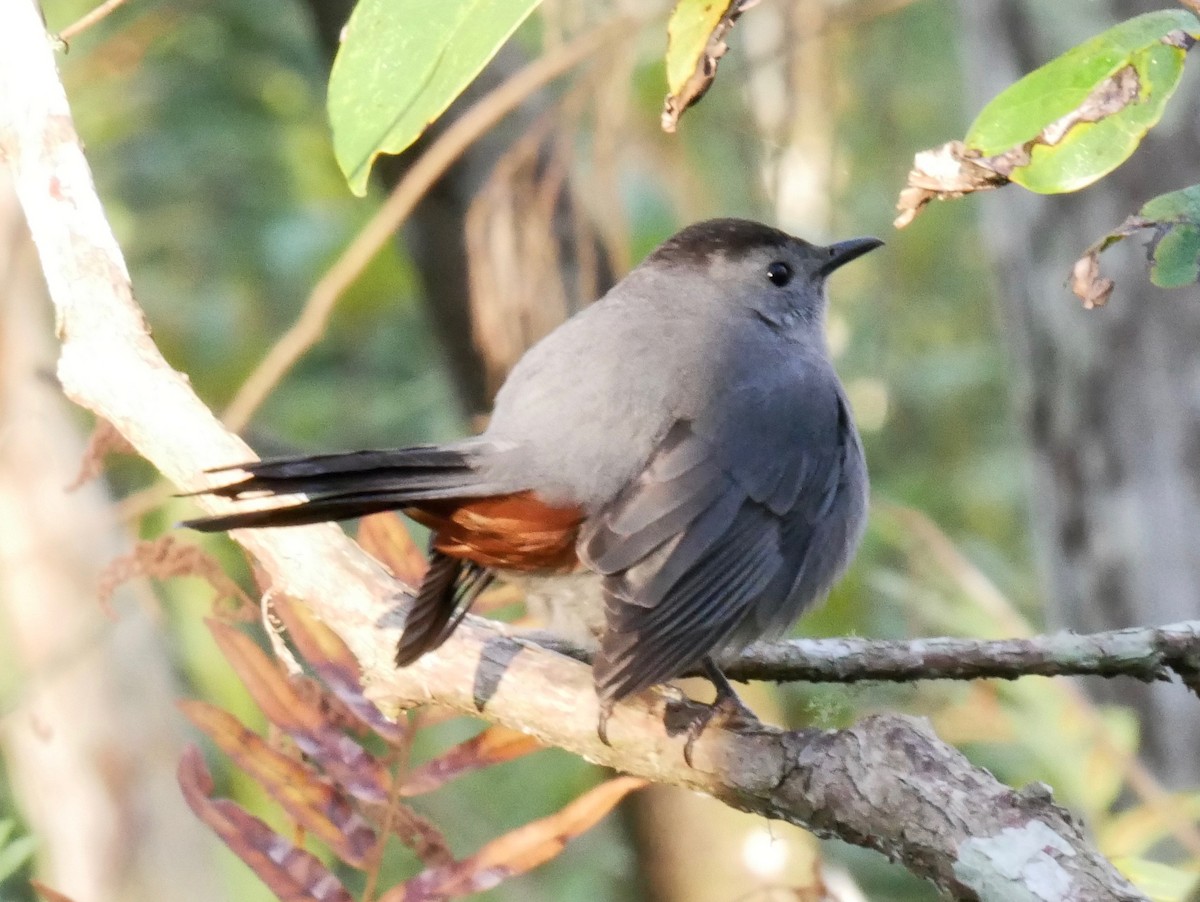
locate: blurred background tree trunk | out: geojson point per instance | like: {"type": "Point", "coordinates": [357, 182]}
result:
{"type": "Point", "coordinates": [1110, 398]}
{"type": "Point", "coordinates": [88, 728]}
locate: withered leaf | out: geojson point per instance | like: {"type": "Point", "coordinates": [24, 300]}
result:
{"type": "Point", "coordinates": [346, 762]}
{"type": "Point", "coordinates": [943, 173]}
{"type": "Point", "coordinates": [48, 894]}
{"type": "Point", "coordinates": [695, 44]}
{"type": "Point", "coordinates": [166, 558]}
{"type": "Point", "coordinates": [104, 440]}
{"type": "Point", "coordinates": [291, 873]}
{"type": "Point", "coordinates": [494, 745]}
{"type": "Point", "coordinates": [310, 800]}
{"type": "Point", "coordinates": [385, 537]}
{"type": "Point", "coordinates": [517, 851]}
{"type": "Point", "coordinates": [328, 655]}
{"type": "Point", "coordinates": [420, 835]}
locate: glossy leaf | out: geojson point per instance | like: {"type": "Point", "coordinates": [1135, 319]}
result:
{"type": "Point", "coordinates": [401, 64]}
{"type": "Point", "coordinates": [1081, 115]}
{"type": "Point", "coordinates": [1160, 882]}
{"type": "Point", "coordinates": [13, 852]}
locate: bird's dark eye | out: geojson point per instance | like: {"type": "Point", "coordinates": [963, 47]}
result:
{"type": "Point", "coordinates": [779, 273]}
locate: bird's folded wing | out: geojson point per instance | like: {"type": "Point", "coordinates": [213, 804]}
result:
{"type": "Point", "coordinates": [693, 550]}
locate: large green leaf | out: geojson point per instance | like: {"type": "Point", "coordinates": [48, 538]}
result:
{"type": "Point", "coordinates": [1080, 116]}
{"type": "Point", "coordinates": [401, 63]}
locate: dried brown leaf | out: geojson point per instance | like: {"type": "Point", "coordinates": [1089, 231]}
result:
{"type": "Point", "coordinates": [166, 558]}
{"type": "Point", "coordinates": [520, 285]}
{"type": "Point", "coordinates": [517, 851]}
{"type": "Point", "coordinates": [421, 835]}
{"type": "Point", "coordinates": [345, 761]}
{"type": "Point", "coordinates": [1086, 282]}
{"type": "Point", "coordinates": [48, 894]}
{"type": "Point", "coordinates": [291, 873]}
{"type": "Point", "coordinates": [333, 710]}
{"type": "Point", "coordinates": [104, 440]}
{"type": "Point", "coordinates": [385, 537]}
{"type": "Point", "coordinates": [309, 799]}
{"type": "Point", "coordinates": [494, 745]}
{"type": "Point", "coordinates": [943, 173]}
{"type": "Point", "coordinates": [328, 655]}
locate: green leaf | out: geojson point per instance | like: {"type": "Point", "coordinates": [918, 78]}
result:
{"type": "Point", "coordinates": [691, 25]}
{"type": "Point", "coordinates": [695, 44]}
{"type": "Point", "coordinates": [1080, 116]}
{"type": "Point", "coordinates": [1174, 249]}
{"type": "Point", "coordinates": [13, 855]}
{"type": "Point", "coordinates": [401, 64]}
{"type": "Point", "coordinates": [1160, 882]}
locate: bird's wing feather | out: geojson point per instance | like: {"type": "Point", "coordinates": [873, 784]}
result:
{"type": "Point", "coordinates": [706, 543]}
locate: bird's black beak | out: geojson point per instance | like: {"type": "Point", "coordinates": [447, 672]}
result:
{"type": "Point", "coordinates": [844, 251]}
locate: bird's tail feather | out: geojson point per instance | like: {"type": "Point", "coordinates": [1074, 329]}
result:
{"type": "Point", "coordinates": [354, 484]}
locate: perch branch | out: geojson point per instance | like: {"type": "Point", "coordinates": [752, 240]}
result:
{"type": "Point", "coordinates": [1143, 653]}
{"type": "Point", "coordinates": [887, 783]}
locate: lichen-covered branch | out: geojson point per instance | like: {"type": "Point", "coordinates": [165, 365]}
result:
{"type": "Point", "coordinates": [1142, 653]}
{"type": "Point", "coordinates": [886, 783]}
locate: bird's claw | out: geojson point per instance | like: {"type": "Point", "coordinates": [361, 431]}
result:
{"type": "Point", "coordinates": [727, 711]}
{"type": "Point", "coordinates": [602, 721]}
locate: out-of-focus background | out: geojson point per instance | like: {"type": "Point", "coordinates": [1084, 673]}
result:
{"type": "Point", "coordinates": [1033, 464]}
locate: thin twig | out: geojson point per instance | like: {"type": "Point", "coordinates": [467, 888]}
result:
{"type": "Point", "coordinates": [440, 156]}
{"type": "Point", "coordinates": [941, 550]}
{"type": "Point", "coordinates": [87, 21]}
{"type": "Point", "coordinates": [1146, 653]}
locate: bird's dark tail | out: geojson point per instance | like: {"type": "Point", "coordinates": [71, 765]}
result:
{"type": "Point", "coordinates": [354, 484]}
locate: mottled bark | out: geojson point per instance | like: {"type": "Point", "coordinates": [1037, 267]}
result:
{"type": "Point", "coordinates": [1110, 397]}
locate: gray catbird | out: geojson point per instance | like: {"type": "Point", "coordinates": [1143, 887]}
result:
{"type": "Point", "coordinates": [685, 438]}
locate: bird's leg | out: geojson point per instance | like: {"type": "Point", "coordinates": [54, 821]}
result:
{"type": "Point", "coordinates": [726, 709]}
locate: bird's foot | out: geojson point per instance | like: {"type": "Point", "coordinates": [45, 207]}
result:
{"type": "Point", "coordinates": [727, 711]}
{"type": "Point", "coordinates": [693, 718]}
